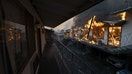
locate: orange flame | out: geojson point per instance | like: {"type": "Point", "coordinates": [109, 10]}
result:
{"type": "Point", "coordinates": [123, 15]}
{"type": "Point", "coordinates": [97, 31]}
{"type": "Point", "coordinates": [114, 36]}
{"type": "Point", "coordinates": [94, 23]}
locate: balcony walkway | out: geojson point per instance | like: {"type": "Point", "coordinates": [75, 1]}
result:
{"type": "Point", "coordinates": [48, 63]}
{"type": "Point", "coordinates": [82, 61]}
{"type": "Point", "coordinates": [72, 58]}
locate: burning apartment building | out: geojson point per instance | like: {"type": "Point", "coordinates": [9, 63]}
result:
{"type": "Point", "coordinates": [111, 33]}
{"type": "Point", "coordinates": [106, 33]}
{"type": "Point", "coordinates": [113, 38]}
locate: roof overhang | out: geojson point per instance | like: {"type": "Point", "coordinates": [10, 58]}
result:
{"type": "Point", "coordinates": [115, 23]}
{"type": "Point", "coordinates": [55, 12]}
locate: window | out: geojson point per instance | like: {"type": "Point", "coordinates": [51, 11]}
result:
{"type": "Point", "coordinates": [17, 42]}
{"type": "Point", "coordinates": [114, 36]}
{"type": "Point", "coordinates": [98, 32]}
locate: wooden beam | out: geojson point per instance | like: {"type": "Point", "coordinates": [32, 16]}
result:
{"type": "Point", "coordinates": [28, 6]}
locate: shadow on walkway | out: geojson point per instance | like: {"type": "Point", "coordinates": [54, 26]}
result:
{"type": "Point", "coordinates": [48, 63]}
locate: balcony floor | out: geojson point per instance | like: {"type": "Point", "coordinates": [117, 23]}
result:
{"type": "Point", "coordinates": [48, 63]}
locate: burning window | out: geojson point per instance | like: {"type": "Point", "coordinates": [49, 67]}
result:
{"type": "Point", "coordinates": [98, 32]}
{"type": "Point", "coordinates": [114, 36]}
{"type": "Point", "coordinates": [91, 31]}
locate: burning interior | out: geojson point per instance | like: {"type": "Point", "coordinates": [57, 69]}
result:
{"type": "Point", "coordinates": [99, 32]}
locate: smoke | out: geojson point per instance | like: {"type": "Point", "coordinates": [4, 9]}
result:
{"type": "Point", "coordinates": [102, 11]}
{"type": "Point", "coordinates": [66, 25]}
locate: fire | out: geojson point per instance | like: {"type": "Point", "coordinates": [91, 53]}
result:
{"type": "Point", "coordinates": [86, 31]}
{"type": "Point", "coordinates": [93, 22]}
{"type": "Point", "coordinates": [88, 24]}
{"type": "Point", "coordinates": [114, 36]}
{"type": "Point", "coordinates": [94, 32]}
{"type": "Point", "coordinates": [89, 27]}
{"type": "Point", "coordinates": [123, 15]}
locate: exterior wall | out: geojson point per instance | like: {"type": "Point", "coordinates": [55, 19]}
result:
{"type": "Point", "coordinates": [16, 13]}
{"type": "Point", "coordinates": [126, 36]}
{"type": "Point", "coordinates": [2, 71]}
{"type": "Point", "coordinates": [13, 11]}
{"type": "Point", "coordinates": [105, 40]}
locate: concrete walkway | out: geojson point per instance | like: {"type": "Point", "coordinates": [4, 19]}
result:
{"type": "Point", "coordinates": [48, 63]}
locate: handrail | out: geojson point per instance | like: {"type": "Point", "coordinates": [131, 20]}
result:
{"type": "Point", "coordinates": [67, 48]}
{"type": "Point", "coordinates": [73, 54]}
{"type": "Point", "coordinates": [62, 58]}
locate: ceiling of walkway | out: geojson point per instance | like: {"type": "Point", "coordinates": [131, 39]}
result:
{"type": "Point", "coordinates": [55, 12]}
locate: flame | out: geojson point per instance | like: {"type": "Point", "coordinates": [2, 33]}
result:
{"type": "Point", "coordinates": [114, 36]}
{"type": "Point", "coordinates": [94, 23]}
{"type": "Point", "coordinates": [88, 24]}
{"type": "Point", "coordinates": [96, 32]}
{"type": "Point", "coordinates": [123, 15]}
{"type": "Point", "coordinates": [84, 31]}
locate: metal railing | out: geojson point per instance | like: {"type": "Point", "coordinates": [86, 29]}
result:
{"type": "Point", "coordinates": [73, 63]}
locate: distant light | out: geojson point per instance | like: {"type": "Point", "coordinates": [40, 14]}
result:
{"type": "Point", "coordinates": [47, 27]}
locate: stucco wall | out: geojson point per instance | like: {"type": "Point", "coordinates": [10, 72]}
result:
{"type": "Point", "coordinates": [105, 40]}
{"type": "Point", "coordinates": [127, 31]}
